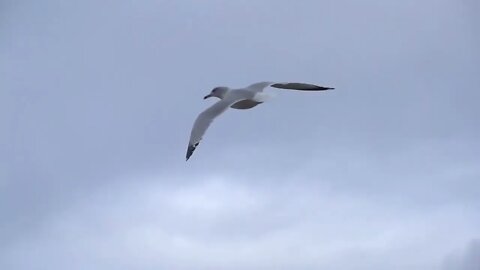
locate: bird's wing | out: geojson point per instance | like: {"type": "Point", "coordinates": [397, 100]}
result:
{"type": "Point", "coordinates": [301, 86]}
{"type": "Point", "coordinates": [258, 87]}
{"type": "Point", "coordinates": [204, 120]}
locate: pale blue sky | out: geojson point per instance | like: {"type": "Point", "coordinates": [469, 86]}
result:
{"type": "Point", "coordinates": [97, 99]}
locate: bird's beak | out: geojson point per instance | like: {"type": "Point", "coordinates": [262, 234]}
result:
{"type": "Point", "coordinates": [207, 96]}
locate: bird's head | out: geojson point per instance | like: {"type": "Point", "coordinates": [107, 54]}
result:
{"type": "Point", "coordinates": [218, 92]}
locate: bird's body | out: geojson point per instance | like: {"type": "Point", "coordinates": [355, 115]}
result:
{"type": "Point", "coordinates": [241, 98]}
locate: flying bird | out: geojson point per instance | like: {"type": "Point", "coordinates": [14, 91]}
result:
{"type": "Point", "coordinates": [240, 98]}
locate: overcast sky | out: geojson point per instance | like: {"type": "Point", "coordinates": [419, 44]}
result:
{"type": "Point", "coordinates": [97, 99]}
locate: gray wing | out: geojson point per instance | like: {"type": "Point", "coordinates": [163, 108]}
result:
{"type": "Point", "coordinates": [301, 86]}
{"type": "Point", "coordinates": [203, 121]}
{"type": "Point", "coordinates": [258, 87]}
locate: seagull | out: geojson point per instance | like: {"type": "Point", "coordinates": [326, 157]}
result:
{"type": "Point", "coordinates": [241, 99]}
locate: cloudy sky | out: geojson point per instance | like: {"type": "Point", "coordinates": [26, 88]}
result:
{"type": "Point", "coordinates": [97, 99]}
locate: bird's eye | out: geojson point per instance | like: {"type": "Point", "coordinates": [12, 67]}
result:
{"type": "Point", "coordinates": [214, 90]}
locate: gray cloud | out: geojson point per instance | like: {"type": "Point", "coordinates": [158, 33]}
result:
{"type": "Point", "coordinates": [218, 222]}
{"type": "Point", "coordinates": [469, 259]}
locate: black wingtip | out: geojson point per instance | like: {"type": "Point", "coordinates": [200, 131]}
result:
{"type": "Point", "coordinates": [190, 150]}
{"type": "Point", "coordinates": [301, 87]}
